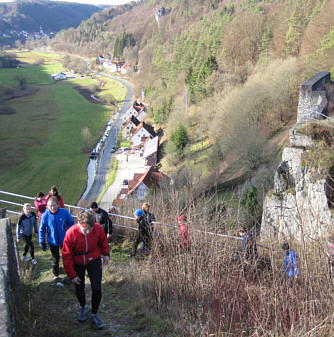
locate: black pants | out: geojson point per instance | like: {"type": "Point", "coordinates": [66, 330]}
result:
{"type": "Point", "coordinates": [94, 270]}
{"type": "Point", "coordinates": [142, 237]}
{"type": "Point", "coordinates": [29, 245]}
{"type": "Point", "coordinates": [55, 259]}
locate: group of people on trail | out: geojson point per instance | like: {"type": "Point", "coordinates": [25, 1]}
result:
{"type": "Point", "coordinates": [250, 257]}
{"type": "Point", "coordinates": [82, 245]}
{"type": "Point", "coordinates": [145, 221]}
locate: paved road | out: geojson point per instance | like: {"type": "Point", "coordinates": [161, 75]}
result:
{"type": "Point", "coordinates": [128, 165]}
{"type": "Point", "coordinates": [105, 158]}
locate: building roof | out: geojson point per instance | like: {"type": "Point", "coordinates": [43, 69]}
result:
{"type": "Point", "coordinates": [119, 202]}
{"type": "Point", "coordinates": [132, 119]}
{"type": "Point", "coordinates": [147, 127]}
{"type": "Point", "coordinates": [124, 191]}
{"type": "Point", "coordinates": [149, 178]}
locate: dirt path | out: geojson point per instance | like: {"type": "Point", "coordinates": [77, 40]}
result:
{"type": "Point", "coordinates": [280, 138]}
{"type": "Point", "coordinates": [17, 93]}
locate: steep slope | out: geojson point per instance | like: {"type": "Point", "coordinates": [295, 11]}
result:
{"type": "Point", "coordinates": [226, 70]}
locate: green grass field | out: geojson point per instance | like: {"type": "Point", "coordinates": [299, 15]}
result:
{"type": "Point", "coordinates": [41, 142]}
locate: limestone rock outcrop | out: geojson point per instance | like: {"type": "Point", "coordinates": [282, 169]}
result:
{"type": "Point", "coordinates": [298, 208]}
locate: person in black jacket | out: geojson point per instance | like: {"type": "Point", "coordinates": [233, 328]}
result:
{"type": "Point", "coordinates": [102, 217]}
{"type": "Point", "coordinates": [25, 225]}
{"type": "Point", "coordinates": [150, 218]}
{"type": "Point", "coordinates": [144, 233]}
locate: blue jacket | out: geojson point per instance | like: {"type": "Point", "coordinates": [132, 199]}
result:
{"type": "Point", "coordinates": [291, 263]}
{"type": "Point", "coordinates": [55, 226]}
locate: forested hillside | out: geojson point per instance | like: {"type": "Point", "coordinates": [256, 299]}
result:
{"type": "Point", "coordinates": [51, 15]}
{"type": "Point", "coordinates": [225, 71]}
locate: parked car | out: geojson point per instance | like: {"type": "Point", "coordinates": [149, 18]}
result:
{"type": "Point", "coordinates": [125, 182]}
{"type": "Point", "coordinates": [94, 154]}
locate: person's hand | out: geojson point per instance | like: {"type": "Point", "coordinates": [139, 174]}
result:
{"type": "Point", "coordinates": [108, 236]}
{"type": "Point", "coordinates": [42, 245]}
{"type": "Point", "coordinates": [18, 240]}
{"type": "Point", "coordinates": [105, 259]}
{"type": "Point", "coordinates": [76, 280]}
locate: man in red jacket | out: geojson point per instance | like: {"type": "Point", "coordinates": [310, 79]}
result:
{"type": "Point", "coordinates": [83, 246]}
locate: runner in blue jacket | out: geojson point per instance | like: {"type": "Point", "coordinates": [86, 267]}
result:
{"type": "Point", "coordinates": [55, 222]}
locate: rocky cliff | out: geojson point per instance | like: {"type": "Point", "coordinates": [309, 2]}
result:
{"type": "Point", "coordinates": [300, 205]}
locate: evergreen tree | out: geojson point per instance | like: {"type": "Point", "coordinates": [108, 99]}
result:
{"type": "Point", "coordinates": [180, 138]}
{"type": "Point", "coordinates": [250, 202]}
{"type": "Point", "coordinates": [123, 40]}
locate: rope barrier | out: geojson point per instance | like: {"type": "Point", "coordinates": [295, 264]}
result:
{"type": "Point", "coordinates": [123, 217]}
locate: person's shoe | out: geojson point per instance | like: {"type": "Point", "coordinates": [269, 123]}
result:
{"type": "Point", "coordinates": [82, 317]}
{"type": "Point", "coordinates": [57, 278]}
{"type": "Point", "coordinates": [25, 258]}
{"type": "Point", "coordinates": [129, 256]}
{"type": "Point", "coordinates": [34, 262]}
{"type": "Point", "coordinates": [96, 320]}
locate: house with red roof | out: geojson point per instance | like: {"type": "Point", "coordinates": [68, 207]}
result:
{"type": "Point", "coordinates": [125, 68]}
{"type": "Point", "coordinates": [138, 110]}
{"type": "Point", "coordinates": [139, 187]}
{"type": "Point", "coordinates": [143, 182]}
{"type": "Point", "coordinates": [140, 134]}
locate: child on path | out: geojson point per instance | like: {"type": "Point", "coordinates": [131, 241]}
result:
{"type": "Point", "coordinates": [40, 204]}
{"type": "Point", "coordinates": [25, 225]}
{"type": "Point", "coordinates": [183, 236]}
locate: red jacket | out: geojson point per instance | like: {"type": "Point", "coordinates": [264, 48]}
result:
{"type": "Point", "coordinates": [83, 249]}
{"type": "Point", "coordinates": [40, 206]}
{"type": "Point", "coordinates": [59, 198]}
{"type": "Point", "coordinates": [184, 236]}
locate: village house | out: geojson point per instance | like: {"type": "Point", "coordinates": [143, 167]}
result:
{"type": "Point", "coordinates": [139, 135]}
{"type": "Point", "coordinates": [121, 198]}
{"type": "Point", "coordinates": [138, 110]}
{"type": "Point", "coordinates": [143, 183]}
{"type": "Point", "coordinates": [127, 127]}
{"type": "Point", "coordinates": [115, 66]}
{"type": "Point", "coordinates": [139, 187]}
{"type": "Point", "coordinates": [125, 68]}
{"type": "Point", "coordinates": [106, 64]}
{"type": "Point", "coordinates": [151, 147]}
{"type": "Point", "coordinates": [59, 76]}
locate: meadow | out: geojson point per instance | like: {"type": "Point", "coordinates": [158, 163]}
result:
{"type": "Point", "coordinates": [41, 142]}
